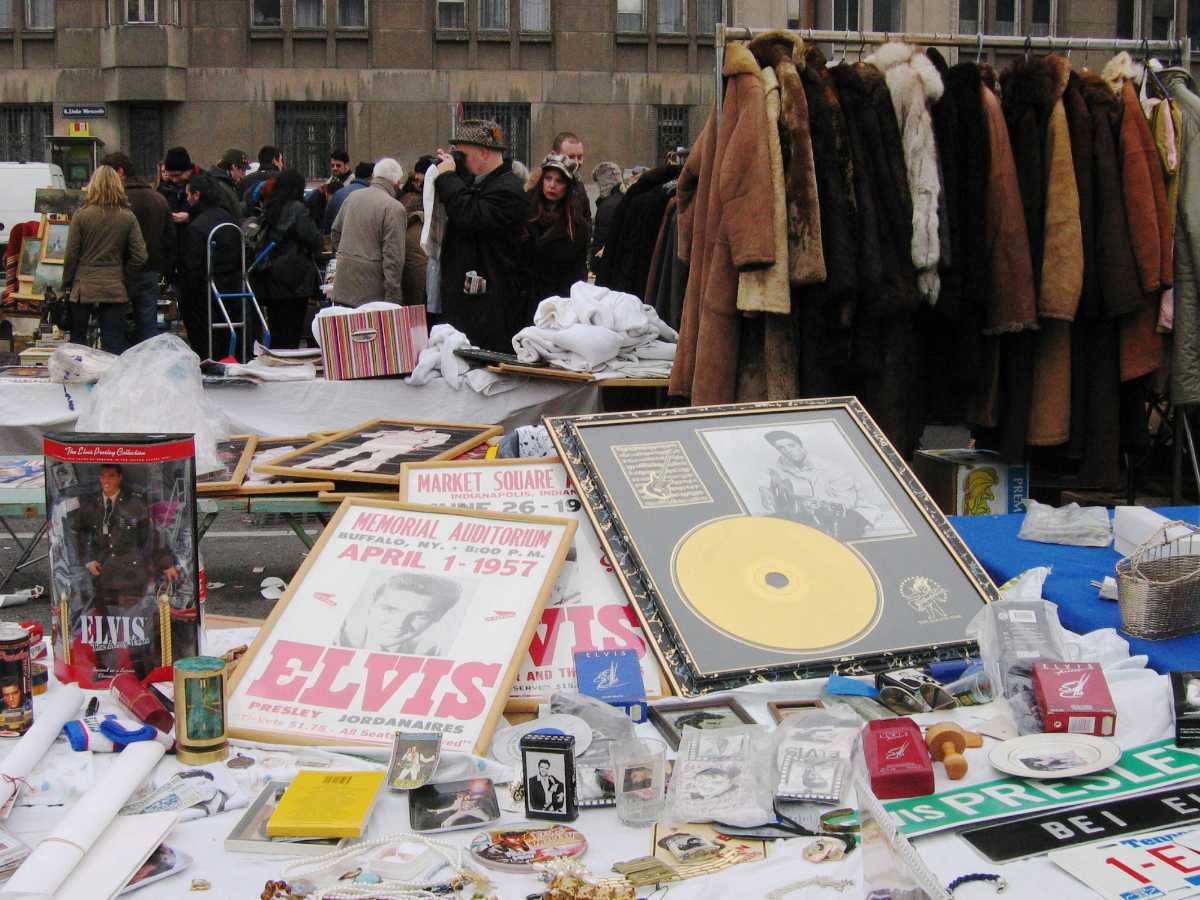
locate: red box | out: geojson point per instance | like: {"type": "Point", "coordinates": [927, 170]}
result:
{"type": "Point", "coordinates": [373, 343]}
{"type": "Point", "coordinates": [1073, 697]}
{"type": "Point", "coordinates": [897, 759]}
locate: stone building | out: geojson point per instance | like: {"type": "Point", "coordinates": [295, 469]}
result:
{"type": "Point", "coordinates": [633, 77]}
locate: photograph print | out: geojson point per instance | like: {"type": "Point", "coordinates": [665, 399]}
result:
{"type": "Point", "coordinates": [376, 450]}
{"type": "Point", "coordinates": [808, 473]}
{"type": "Point", "coordinates": [31, 253]}
{"type": "Point", "coordinates": [545, 782]}
{"type": "Point", "coordinates": [452, 805]}
{"type": "Point", "coordinates": [54, 243]}
{"type": "Point", "coordinates": [408, 613]}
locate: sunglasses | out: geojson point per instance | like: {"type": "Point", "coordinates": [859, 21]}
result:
{"type": "Point", "coordinates": [911, 691]}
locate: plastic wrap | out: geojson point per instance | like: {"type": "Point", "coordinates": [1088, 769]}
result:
{"type": "Point", "coordinates": [156, 387]}
{"type": "Point", "coordinates": [726, 775]}
{"type": "Point", "coordinates": [813, 755]}
{"type": "Point", "coordinates": [1073, 525]}
{"type": "Point", "coordinates": [77, 364]}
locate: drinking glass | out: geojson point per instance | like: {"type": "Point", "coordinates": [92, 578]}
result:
{"type": "Point", "coordinates": [640, 780]}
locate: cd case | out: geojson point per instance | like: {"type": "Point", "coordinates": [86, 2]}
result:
{"type": "Point", "coordinates": [782, 540]}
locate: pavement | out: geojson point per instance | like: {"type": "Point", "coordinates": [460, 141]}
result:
{"type": "Point", "coordinates": [239, 551]}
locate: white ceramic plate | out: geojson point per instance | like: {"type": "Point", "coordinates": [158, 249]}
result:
{"type": "Point", "coordinates": [1054, 755]}
{"type": "Point", "coordinates": [506, 743]}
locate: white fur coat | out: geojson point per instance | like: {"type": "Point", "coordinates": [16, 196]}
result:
{"type": "Point", "coordinates": [914, 84]}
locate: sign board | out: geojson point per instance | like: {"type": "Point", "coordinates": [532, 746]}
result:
{"type": "Point", "coordinates": [1139, 771]}
{"type": "Point", "coordinates": [95, 111]}
{"type": "Point", "coordinates": [1163, 864]}
{"type": "Point", "coordinates": [79, 129]}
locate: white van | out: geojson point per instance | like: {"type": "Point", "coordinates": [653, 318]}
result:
{"type": "Point", "coordinates": [18, 182]}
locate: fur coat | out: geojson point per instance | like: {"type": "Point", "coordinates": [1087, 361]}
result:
{"type": "Point", "coordinates": [914, 83]}
{"type": "Point", "coordinates": [784, 52]}
{"type": "Point", "coordinates": [723, 189]}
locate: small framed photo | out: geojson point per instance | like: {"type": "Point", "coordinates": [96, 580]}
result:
{"type": "Point", "coordinates": [452, 805]}
{"type": "Point", "coordinates": [414, 759]}
{"type": "Point", "coordinates": [720, 712]}
{"type": "Point", "coordinates": [781, 709]}
{"type": "Point", "coordinates": [548, 773]}
{"type": "Point", "coordinates": [54, 242]}
{"type": "Point", "coordinates": [31, 252]}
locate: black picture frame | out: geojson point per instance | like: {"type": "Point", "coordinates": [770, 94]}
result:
{"type": "Point", "coordinates": [926, 583]}
{"type": "Point", "coordinates": [664, 717]}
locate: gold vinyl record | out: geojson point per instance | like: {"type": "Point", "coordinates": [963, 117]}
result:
{"type": "Point", "coordinates": [776, 583]}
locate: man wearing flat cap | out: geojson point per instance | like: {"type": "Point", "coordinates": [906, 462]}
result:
{"type": "Point", "coordinates": [481, 282]}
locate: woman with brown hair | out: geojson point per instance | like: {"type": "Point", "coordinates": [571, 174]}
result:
{"type": "Point", "coordinates": [105, 251]}
{"type": "Point", "coordinates": [556, 233]}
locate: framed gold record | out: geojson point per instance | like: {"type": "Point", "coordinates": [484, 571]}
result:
{"type": "Point", "coordinates": [772, 541]}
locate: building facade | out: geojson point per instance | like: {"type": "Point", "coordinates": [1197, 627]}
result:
{"type": "Point", "coordinates": [388, 77]}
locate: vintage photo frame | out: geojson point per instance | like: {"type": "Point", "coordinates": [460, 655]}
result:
{"type": "Point", "coordinates": [543, 487]}
{"type": "Point", "coordinates": [665, 716]}
{"type": "Point", "coordinates": [781, 709]}
{"type": "Point", "coordinates": [320, 460]}
{"type": "Point", "coordinates": [31, 254]}
{"type": "Point", "coordinates": [47, 275]}
{"type": "Point", "coordinates": [453, 806]}
{"type": "Point", "coordinates": [700, 505]}
{"type": "Point", "coordinates": [549, 758]}
{"type": "Point", "coordinates": [236, 453]}
{"type": "Point", "coordinates": [255, 483]}
{"type": "Point", "coordinates": [54, 241]}
{"type": "Point", "coordinates": [431, 598]}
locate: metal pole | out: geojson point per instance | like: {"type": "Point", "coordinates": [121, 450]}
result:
{"type": "Point", "coordinates": [719, 47]}
{"type": "Point", "coordinates": [993, 41]}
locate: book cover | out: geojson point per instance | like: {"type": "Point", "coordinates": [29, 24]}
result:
{"type": "Point", "coordinates": [614, 676]}
{"type": "Point", "coordinates": [326, 804]}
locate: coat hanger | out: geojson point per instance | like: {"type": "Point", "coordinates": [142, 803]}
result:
{"type": "Point", "coordinates": [1070, 41]}
{"type": "Point", "coordinates": [1148, 70]}
{"type": "Point", "coordinates": [1028, 46]}
{"type": "Point", "coordinates": [978, 47]}
{"type": "Point", "coordinates": [862, 44]}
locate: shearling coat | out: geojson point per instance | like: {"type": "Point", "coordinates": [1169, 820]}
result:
{"type": "Point", "coordinates": [914, 84]}
{"type": "Point", "coordinates": [1185, 352]}
{"type": "Point", "coordinates": [784, 52]}
{"type": "Point", "coordinates": [723, 189]}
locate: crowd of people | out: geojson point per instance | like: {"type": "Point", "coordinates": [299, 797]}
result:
{"type": "Point", "coordinates": [468, 231]}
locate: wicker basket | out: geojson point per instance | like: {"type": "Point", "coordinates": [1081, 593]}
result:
{"type": "Point", "coordinates": [1158, 585]}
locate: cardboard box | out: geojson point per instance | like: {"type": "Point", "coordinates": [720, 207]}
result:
{"type": "Point", "coordinates": [972, 482]}
{"type": "Point", "coordinates": [372, 343]}
{"type": "Point", "coordinates": [1185, 687]}
{"type": "Point", "coordinates": [1073, 697]}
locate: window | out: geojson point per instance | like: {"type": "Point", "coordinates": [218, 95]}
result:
{"type": "Point", "coordinates": [307, 133]}
{"type": "Point", "coordinates": [535, 15]}
{"type": "Point", "coordinates": [39, 14]}
{"type": "Point", "coordinates": [841, 15]}
{"type": "Point", "coordinates": [513, 118]}
{"type": "Point", "coordinates": [708, 14]}
{"type": "Point", "coordinates": [141, 12]}
{"type": "Point", "coordinates": [176, 12]}
{"type": "Point", "coordinates": [265, 14]}
{"type": "Point", "coordinates": [1162, 20]}
{"type": "Point", "coordinates": [793, 14]}
{"type": "Point", "coordinates": [1126, 17]}
{"type": "Point", "coordinates": [310, 14]}
{"type": "Point", "coordinates": [970, 16]}
{"type": "Point", "coordinates": [1006, 17]}
{"type": "Point", "coordinates": [886, 15]}
{"type": "Point", "coordinates": [1039, 24]}
{"type": "Point", "coordinates": [631, 16]}
{"type": "Point", "coordinates": [672, 16]}
{"type": "Point", "coordinates": [493, 15]}
{"type": "Point", "coordinates": [6, 15]}
{"type": "Point", "coordinates": [23, 131]}
{"type": "Point", "coordinates": [452, 15]}
{"type": "Point", "coordinates": [670, 130]}
{"type": "Point", "coordinates": [1193, 21]}
{"type": "Point", "coordinates": [146, 139]}
{"type": "Point", "coordinates": [352, 13]}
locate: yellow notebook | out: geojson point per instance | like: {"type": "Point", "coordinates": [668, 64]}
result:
{"type": "Point", "coordinates": [326, 804]}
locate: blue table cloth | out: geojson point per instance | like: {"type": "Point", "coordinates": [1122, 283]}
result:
{"type": "Point", "coordinates": [994, 541]}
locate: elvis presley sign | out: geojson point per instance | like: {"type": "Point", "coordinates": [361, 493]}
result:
{"type": "Point", "coordinates": [403, 618]}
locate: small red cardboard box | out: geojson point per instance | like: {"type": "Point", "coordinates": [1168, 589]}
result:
{"type": "Point", "coordinates": [1073, 697]}
{"type": "Point", "coordinates": [897, 759]}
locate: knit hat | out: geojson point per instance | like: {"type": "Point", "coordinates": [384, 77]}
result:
{"type": "Point", "coordinates": [481, 132]}
{"type": "Point", "coordinates": [562, 163]}
{"type": "Point", "coordinates": [607, 175]}
{"type": "Point", "coordinates": [234, 158]}
{"type": "Point", "coordinates": [177, 160]}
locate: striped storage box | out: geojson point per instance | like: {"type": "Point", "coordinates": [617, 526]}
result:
{"type": "Point", "coordinates": [370, 344]}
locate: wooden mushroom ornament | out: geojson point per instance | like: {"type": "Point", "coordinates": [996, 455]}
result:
{"type": "Point", "coordinates": [947, 742]}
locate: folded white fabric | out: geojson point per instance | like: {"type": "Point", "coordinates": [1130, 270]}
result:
{"type": "Point", "coordinates": [490, 383]}
{"type": "Point", "coordinates": [580, 348]}
{"type": "Point", "coordinates": [439, 358]}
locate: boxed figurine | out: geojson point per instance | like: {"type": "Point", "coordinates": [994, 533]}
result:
{"type": "Point", "coordinates": [1073, 697]}
{"type": "Point", "coordinates": [125, 588]}
{"type": "Point", "coordinates": [1185, 686]}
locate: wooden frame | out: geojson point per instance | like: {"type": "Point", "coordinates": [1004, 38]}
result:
{"type": "Point", "coordinates": [51, 252]}
{"type": "Point", "coordinates": [913, 604]}
{"type": "Point", "coordinates": [467, 435]}
{"type": "Point", "coordinates": [277, 485]}
{"type": "Point", "coordinates": [31, 254]}
{"type": "Point", "coordinates": [433, 543]}
{"type": "Point", "coordinates": [673, 735]}
{"type": "Point", "coordinates": [231, 478]}
{"type": "Point", "coordinates": [781, 709]}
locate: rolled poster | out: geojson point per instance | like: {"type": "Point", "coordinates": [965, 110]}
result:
{"type": "Point", "coordinates": [59, 707]}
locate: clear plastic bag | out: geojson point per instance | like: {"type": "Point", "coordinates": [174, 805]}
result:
{"type": "Point", "coordinates": [725, 775]}
{"type": "Point", "coordinates": [812, 750]}
{"type": "Point", "coordinates": [155, 387]}
{"type": "Point", "coordinates": [77, 364]}
{"type": "Point", "coordinates": [1074, 525]}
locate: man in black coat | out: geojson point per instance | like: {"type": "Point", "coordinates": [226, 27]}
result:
{"type": "Point", "coordinates": [485, 221]}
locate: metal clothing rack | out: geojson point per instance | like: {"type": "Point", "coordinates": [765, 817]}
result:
{"type": "Point", "coordinates": [978, 42]}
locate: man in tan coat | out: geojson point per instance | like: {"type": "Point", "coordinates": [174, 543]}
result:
{"type": "Point", "coordinates": [368, 237]}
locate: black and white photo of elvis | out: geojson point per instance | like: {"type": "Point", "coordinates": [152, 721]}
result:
{"type": "Point", "coordinates": [809, 474]}
{"type": "Point", "coordinates": [409, 613]}
{"type": "Point", "coordinates": [545, 789]}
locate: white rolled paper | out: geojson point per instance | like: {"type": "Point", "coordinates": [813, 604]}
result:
{"type": "Point", "coordinates": [47, 867]}
{"type": "Point", "coordinates": [60, 707]}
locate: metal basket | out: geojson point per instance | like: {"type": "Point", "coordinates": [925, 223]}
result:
{"type": "Point", "coordinates": [1158, 585]}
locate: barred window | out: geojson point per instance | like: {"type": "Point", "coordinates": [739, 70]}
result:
{"type": "Point", "coordinates": [24, 128]}
{"type": "Point", "coordinates": [307, 133]}
{"type": "Point", "coordinates": [513, 119]}
{"type": "Point", "coordinates": [671, 130]}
